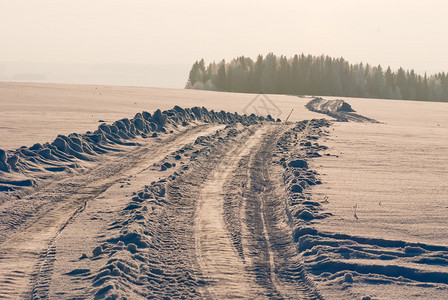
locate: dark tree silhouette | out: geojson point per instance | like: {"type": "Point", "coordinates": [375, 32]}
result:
{"type": "Point", "coordinates": [316, 75]}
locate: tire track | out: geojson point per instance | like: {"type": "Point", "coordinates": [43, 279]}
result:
{"type": "Point", "coordinates": [286, 271]}
{"type": "Point", "coordinates": [276, 265]}
{"type": "Point", "coordinates": [219, 261]}
{"type": "Point", "coordinates": [29, 249]}
{"type": "Point", "coordinates": [157, 219]}
{"type": "Point", "coordinates": [241, 244]}
{"type": "Point", "coordinates": [244, 244]}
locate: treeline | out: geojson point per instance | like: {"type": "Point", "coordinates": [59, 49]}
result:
{"type": "Point", "coordinates": [316, 75]}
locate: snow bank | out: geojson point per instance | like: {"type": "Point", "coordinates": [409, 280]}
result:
{"type": "Point", "coordinates": [25, 167]}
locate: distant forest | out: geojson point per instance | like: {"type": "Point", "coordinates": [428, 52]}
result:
{"type": "Point", "coordinates": [316, 75]}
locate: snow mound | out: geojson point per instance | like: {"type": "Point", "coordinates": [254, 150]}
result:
{"type": "Point", "coordinates": [338, 109]}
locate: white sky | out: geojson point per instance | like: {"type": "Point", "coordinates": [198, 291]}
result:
{"type": "Point", "coordinates": [412, 34]}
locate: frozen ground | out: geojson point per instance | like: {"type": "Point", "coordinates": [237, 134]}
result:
{"type": "Point", "coordinates": [216, 205]}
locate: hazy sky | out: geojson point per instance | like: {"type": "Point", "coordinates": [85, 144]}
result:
{"type": "Point", "coordinates": [407, 33]}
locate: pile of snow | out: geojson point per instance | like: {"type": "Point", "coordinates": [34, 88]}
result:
{"type": "Point", "coordinates": [338, 109]}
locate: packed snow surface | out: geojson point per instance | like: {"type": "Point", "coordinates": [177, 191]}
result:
{"type": "Point", "coordinates": [113, 192]}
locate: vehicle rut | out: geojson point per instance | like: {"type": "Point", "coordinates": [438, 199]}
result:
{"type": "Point", "coordinates": [244, 245]}
{"type": "Point", "coordinates": [27, 251]}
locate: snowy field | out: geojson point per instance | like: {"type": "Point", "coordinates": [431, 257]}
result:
{"type": "Point", "coordinates": [33, 112]}
{"type": "Point", "coordinates": [202, 204]}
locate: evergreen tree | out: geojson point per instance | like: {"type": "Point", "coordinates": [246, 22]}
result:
{"type": "Point", "coordinates": [316, 75]}
{"type": "Point", "coordinates": [294, 81]}
{"type": "Point", "coordinates": [268, 82]}
{"type": "Point", "coordinates": [221, 80]}
{"type": "Point", "coordinates": [258, 73]}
